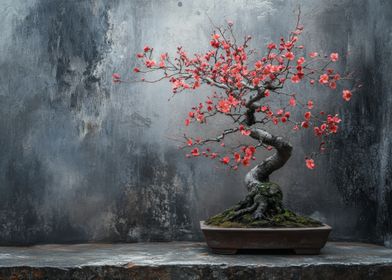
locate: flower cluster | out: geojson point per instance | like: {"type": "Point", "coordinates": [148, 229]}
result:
{"type": "Point", "coordinates": [244, 85]}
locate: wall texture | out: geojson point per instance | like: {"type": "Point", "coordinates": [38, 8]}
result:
{"type": "Point", "coordinates": [84, 160]}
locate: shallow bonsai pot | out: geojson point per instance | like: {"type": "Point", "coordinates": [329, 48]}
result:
{"type": "Point", "coordinates": [307, 241]}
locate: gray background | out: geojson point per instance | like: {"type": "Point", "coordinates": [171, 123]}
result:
{"type": "Point", "coordinates": [83, 159]}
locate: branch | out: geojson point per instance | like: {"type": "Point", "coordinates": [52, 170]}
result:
{"type": "Point", "coordinates": [217, 84]}
{"type": "Point", "coordinates": [218, 138]}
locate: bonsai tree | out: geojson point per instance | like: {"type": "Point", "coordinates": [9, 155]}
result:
{"type": "Point", "coordinates": [246, 88]}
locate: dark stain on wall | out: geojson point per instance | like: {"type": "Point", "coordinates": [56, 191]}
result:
{"type": "Point", "coordinates": [73, 29]}
{"type": "Point", "coordinates": [362, 161]}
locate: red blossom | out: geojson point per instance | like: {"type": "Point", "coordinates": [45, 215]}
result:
{"type": "Point", "coordinates": [271, 46]}
{"type": "Point", "coordinates": [324, 79]}
{"type": "Point", "coordinates": [225, 160]}
{"type": "Point", "coordinates": [295, 79]}
{"type": "Point", "coordinates": [301, 60]}
{"type": "Point", "coordinates": [246, 162]}
{"type": "Point", "coordinates": [292, 102]}
{"type": "Point", "coordinates": [232, 101]}
{"type": "Point", "coordinates": [290, 56]}
{"type": "Point", "coordinates": [164, 56]}
{"type": "Point", "coordinates": [258, 65]}
{"type": "Point", "coordinates": [250, 150]}
{"type": "Point", "coordinates": [310, 163]}
{"type": "Point", "coordinates": [150, 63]}
{"type": "Point", "coordinates": [224, 106]}
{"type": "Point", "coordinates": [237, 157]}
{"type": "Point", "coordinates": [317, 131]}
{"type": "Point", "coordinates": [213, 155]}
{"type": "Point", "coordinates": [200, 118]}
{"type": "Point", "coordinates": [255, 81]}
{"type": "Point", "coordinates": [116, 78]}
{"type": "Point", "coordinates": [334, 57]}
{"type": "Point", "coordinates": [195, 152]}
{"type": "Point", "coordinates": [347, 95]}
{"type": "Point", "coordinates": [244, 131]}
{"type": "Point", "coordinates": [332, 123]}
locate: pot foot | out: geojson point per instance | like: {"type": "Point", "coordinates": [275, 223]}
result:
{"type": "Point", "coordinates": [307, 251]}
{"type": "Point", "coordinates": [222, 251]}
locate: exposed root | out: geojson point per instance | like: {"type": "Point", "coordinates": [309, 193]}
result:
{"type": "Point", "coordinates": [262, 207]}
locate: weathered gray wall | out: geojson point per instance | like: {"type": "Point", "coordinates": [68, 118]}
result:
{"type": "Point", "coordinates": [82, 159]}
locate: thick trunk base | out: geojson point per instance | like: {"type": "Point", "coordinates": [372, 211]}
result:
{"type": "Point", "coordinates": [262, 207]}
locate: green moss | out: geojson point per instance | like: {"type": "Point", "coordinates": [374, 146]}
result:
{"type": "Point", "coordinates": [275, 215]}
{"type": "Point", "coordinates": [285, 219]}
{"type": "Point", "coordinates": [221, 218]}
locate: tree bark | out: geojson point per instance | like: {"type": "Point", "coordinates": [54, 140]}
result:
{"type": "Point", "coordinates": [261, 172]}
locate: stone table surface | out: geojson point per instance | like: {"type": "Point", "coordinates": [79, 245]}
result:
{"type": "Point", "coordinates": [190, 260]}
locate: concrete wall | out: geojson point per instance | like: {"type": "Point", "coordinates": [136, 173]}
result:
{"type": "Point", "coordinates": [83, 159]}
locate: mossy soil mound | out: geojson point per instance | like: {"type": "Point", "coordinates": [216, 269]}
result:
{"type": "Point", "coordinates": [262, 207]}
{"type": "Point", "coordinates": [285, 219]}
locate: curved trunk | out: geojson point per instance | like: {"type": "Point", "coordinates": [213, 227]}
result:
{"type": "Point", "coordinates": [262, 171]}
{"type": "Point", "coordinates": [265, 199]}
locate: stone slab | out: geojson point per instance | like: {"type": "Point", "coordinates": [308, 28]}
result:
{"type": "Point", "coordinates": [189, 260]}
